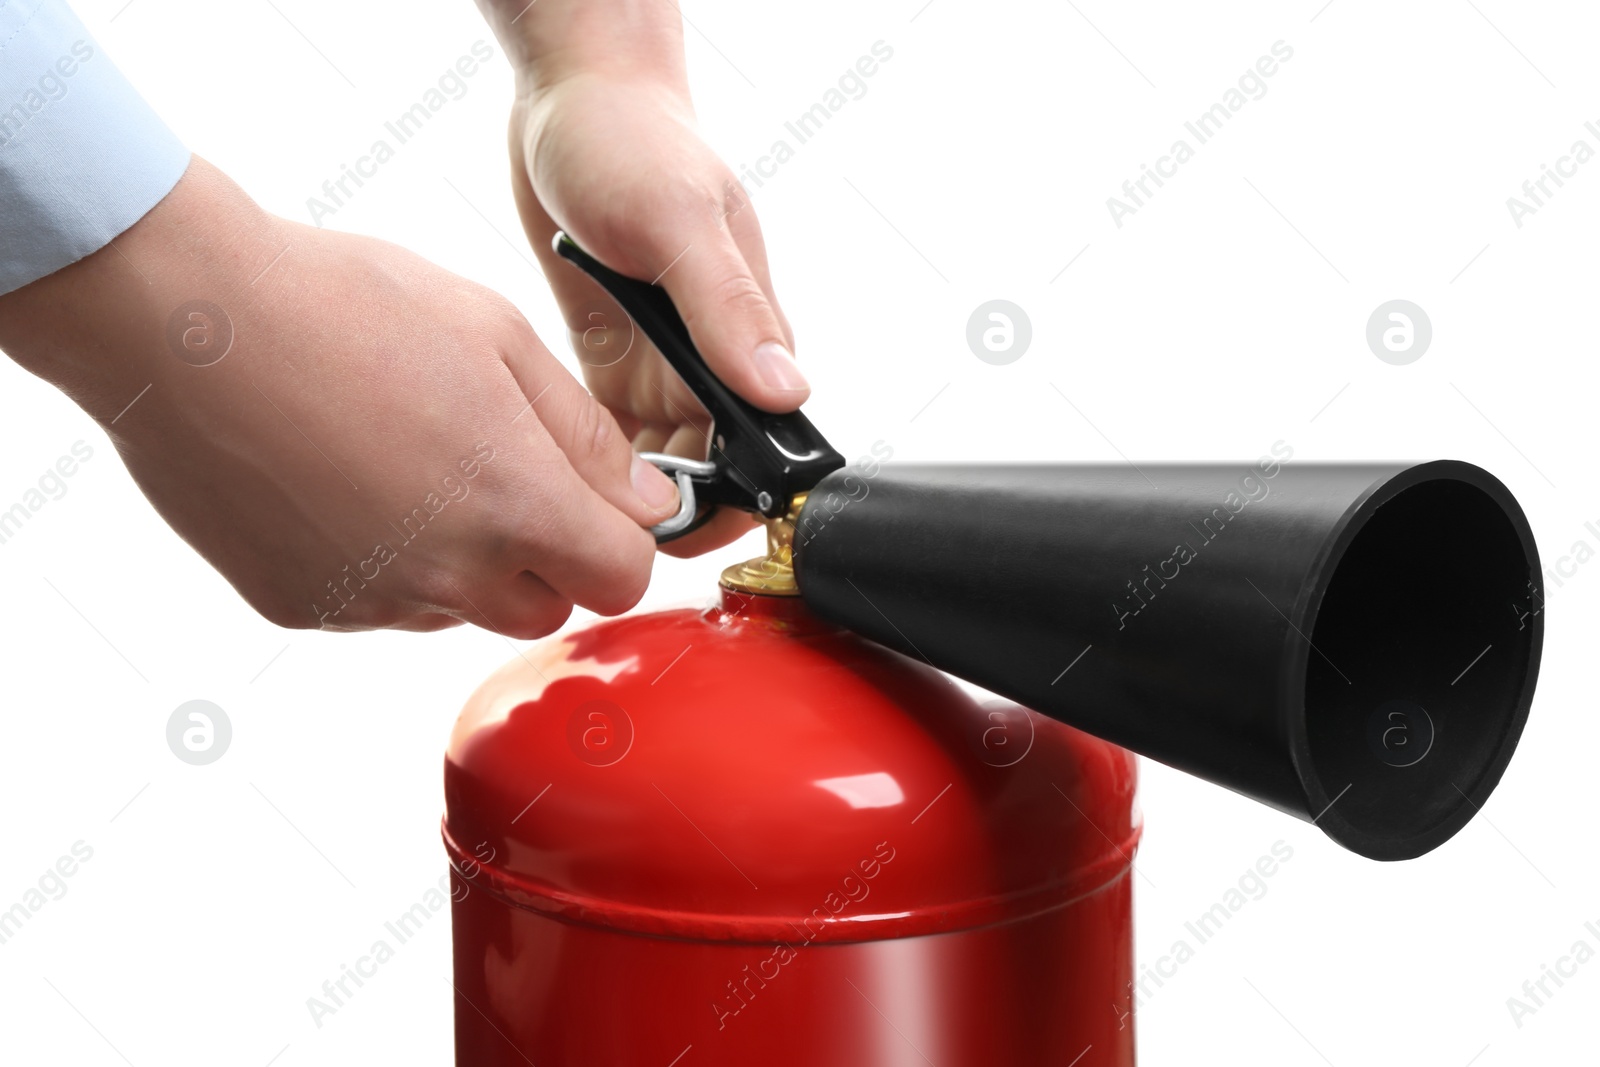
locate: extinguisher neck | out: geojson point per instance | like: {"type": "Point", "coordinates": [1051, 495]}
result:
{"type": "Point", "coordinates": [787, 614]}
{"type": "Point", "coordinates": [773, 573]}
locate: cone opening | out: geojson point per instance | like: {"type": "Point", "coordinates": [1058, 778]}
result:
{"type": "Point", "coordinates": [1423, 653]}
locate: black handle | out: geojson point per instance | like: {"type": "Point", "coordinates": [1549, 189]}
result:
{"type": "Point", "coordinates": [763, 460]}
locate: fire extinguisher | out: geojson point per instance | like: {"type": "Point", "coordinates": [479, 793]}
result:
{"type": "Point", "coordinates": [775, 831]}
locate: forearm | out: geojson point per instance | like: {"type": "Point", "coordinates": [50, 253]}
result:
{"type": "Point", "coordinates": [551, 40]}
{"type": "Point", "coordinates": [99, 327]}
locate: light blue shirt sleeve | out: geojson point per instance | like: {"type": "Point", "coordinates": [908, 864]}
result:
{"type": "Point", "coordinates": [82, 156]}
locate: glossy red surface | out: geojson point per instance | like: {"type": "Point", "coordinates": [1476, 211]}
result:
{"type": "Point", "coordinates": [744, 833]}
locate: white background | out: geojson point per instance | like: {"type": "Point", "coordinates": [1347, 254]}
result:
{"type": "Point", "coordinates": [1225, 315]}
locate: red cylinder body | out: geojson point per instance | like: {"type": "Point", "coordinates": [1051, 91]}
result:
{"type": "Point", "coordinates": [741, 836]}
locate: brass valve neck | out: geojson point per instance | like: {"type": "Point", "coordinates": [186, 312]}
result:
{"type": "Point", "coordinates": [772, 574]}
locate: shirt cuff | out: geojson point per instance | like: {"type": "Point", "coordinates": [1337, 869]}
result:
{"type": "Point", "coordinates": [82, 156]}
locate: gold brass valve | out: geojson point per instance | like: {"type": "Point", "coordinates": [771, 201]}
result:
{"type": "Point", "coordinates": [772, 574]}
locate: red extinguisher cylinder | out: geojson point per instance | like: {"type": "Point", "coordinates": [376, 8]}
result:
{"type": "Point", "coordinates": [741, 835]}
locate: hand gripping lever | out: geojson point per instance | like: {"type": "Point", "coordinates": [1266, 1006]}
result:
{"type": "Point", "coordinates": [758, 461]}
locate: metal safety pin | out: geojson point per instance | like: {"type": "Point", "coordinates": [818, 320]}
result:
{"type": "Point", "coordinates": [685, 472]}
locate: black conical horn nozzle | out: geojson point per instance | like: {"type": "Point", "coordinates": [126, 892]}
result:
{"type": "Point", "coordinates": [1356, 645]}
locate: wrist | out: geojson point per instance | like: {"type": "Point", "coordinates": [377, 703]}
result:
{"type": "Point", "coordinates": [101, 326]}
{"type": "Point", "coordinates": [555, 41]}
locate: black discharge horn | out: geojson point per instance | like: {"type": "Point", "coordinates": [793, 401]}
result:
{"type": "Point", "coordinates": [1356, 645]}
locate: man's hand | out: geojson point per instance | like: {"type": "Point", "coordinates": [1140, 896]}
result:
{"type": "Point", "coordinates": [603, 145]}
{"type": "Point", "coordinates": [352, 436]}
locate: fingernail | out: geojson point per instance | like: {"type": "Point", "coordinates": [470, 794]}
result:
{"type": "Point", "coordinates": [778, 368]}
{"type": "Point", "coordinates": [656, 490]}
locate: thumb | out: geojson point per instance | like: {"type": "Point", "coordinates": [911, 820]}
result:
{"type": "Point", "coordinates": [732, 322]}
